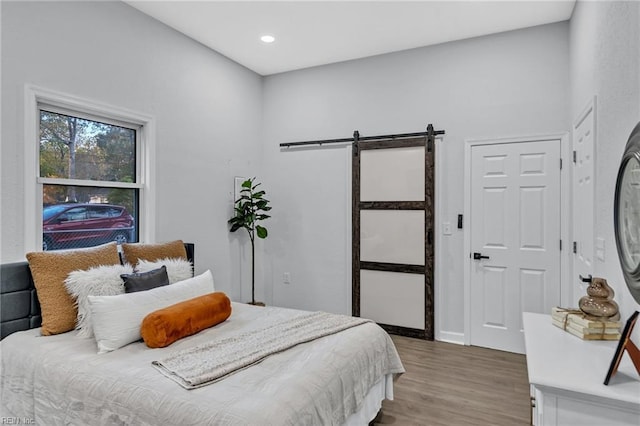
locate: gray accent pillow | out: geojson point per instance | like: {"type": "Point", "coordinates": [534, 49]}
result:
{"type": "Point", "coordinates": [141, 281]}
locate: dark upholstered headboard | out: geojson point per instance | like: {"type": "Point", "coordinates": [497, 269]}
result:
{"type": "Point", "coordinates": [19, 306]}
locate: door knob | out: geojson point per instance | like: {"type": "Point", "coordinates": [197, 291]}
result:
{"type": "Point", "coordinates": [478, 256]}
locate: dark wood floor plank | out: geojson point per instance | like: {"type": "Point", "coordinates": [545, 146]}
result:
{"type": "Point", "coordinates": [451, 385]}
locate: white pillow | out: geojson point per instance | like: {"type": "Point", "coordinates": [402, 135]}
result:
{"type": "Point", "coordinates": [177, 269]}
{"type": "Point", "coordinates": [117, 319]}
{"type": "Point", "coordinates": [101, 280]}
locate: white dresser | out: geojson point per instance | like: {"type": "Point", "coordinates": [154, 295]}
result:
{"type": "Point", "coordinates": [567, 374]}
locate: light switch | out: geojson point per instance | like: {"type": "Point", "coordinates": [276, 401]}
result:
{"type": "Point", "coordinates": [446, 228]}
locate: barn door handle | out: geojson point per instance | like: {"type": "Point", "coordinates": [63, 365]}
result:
{"type": "Point", "coordinates": [478, 256]}
{"type": "Point", "coordinates": [587, 279]}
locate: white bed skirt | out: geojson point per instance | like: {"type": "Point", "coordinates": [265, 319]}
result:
{"type": "Point", "coordinates": [372, 402]}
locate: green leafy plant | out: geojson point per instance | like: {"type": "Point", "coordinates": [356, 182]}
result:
{"type": "Point", "coordinates": [250, 208]}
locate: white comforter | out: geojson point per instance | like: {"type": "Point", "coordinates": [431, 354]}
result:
{"type": "Point", "coordinates": [62, 380]}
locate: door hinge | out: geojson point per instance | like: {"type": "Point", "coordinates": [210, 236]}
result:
{"type": "Point", "coordinates": [561, 164]}
{"type": "Point", "coordinates": [575, 247]}
{"type": "Point", "coordinates": [560, 245]}
{"type": "Point", "coordinates": [575, 156]}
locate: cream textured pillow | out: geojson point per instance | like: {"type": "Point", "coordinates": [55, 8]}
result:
{"type": "Point", "coordinates": [97, 281]}
{"type": "Point", "coordinates": [132, 253]}
{"type": "Point", "coordinates": [178, 269]}
{"type": "Point", "coordinates": [117, 319]}
{"type": "Point", "coordinates": [49, 270]}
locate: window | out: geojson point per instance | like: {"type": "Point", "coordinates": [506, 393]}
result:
{"type": "Point", "coordinates": [92, 174]}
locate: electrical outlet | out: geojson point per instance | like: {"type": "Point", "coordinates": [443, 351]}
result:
{"type": "Point", "coordinates": [286, 278]}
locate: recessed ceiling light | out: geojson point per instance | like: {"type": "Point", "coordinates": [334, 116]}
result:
{"type": "Point", "coordinates": [267, 38]}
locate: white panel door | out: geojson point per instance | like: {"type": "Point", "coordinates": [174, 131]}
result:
{"type": "Point", "coordinates": [583, 200]}
{"type": "Point", "coordinates": [515, 228]}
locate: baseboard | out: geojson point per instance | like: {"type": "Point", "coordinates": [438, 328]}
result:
{"type": "Point", "coordinates": [450, 337]}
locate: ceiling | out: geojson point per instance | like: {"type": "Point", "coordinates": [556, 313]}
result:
{"type": "Point", "coordinates": [310, 33]}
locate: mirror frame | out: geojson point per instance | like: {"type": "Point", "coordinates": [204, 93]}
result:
{"type": "Point", "coordinates": [631, 274]}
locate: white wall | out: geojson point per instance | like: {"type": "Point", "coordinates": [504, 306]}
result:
{"type": "Point", "coordinates": [215, 120]}
{"type": "Point", "coordinates": [605, 62]}
{"type": "Point", "coordinates": [207, 110]}
{"type": "Point", "coordinates": [514, 83]}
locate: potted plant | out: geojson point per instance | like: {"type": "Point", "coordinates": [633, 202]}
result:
{"type": "Point", "coordinates": [250, 209]}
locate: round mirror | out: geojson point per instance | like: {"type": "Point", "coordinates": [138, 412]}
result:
{"type": "Point", "coordinates": [627, 213]}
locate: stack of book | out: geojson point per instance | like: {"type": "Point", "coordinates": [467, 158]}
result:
{"type": "Point", "coordinates": [585, 327]}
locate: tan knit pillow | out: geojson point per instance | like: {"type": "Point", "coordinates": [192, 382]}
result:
{"type": "Point", "coordinates": [152, 252]}
{"type": "Point", "coordinates": [49, 270]}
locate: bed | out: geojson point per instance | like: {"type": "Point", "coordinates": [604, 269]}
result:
{"type": "Point", "coordinates": [339, 379]}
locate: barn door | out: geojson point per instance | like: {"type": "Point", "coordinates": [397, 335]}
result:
{"type": "Point", "coordinates": [393, 195]}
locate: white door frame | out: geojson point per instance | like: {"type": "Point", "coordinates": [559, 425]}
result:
{"type": "Point", "coordinates": [578, 288]}
{"type": "Point", "coordinates": [565, 215]}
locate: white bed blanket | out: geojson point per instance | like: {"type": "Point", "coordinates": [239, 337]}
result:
{"type": "Point", "coordinates": [62, 380]}
{"type": "Point", "coordinates": [213, 361]}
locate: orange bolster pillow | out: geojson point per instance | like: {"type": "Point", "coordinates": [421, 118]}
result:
{"type": "Point", "coordinates": [165, 326]}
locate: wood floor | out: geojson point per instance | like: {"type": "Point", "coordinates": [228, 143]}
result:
{"type": "Point", "coordinates": [450, 385]}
